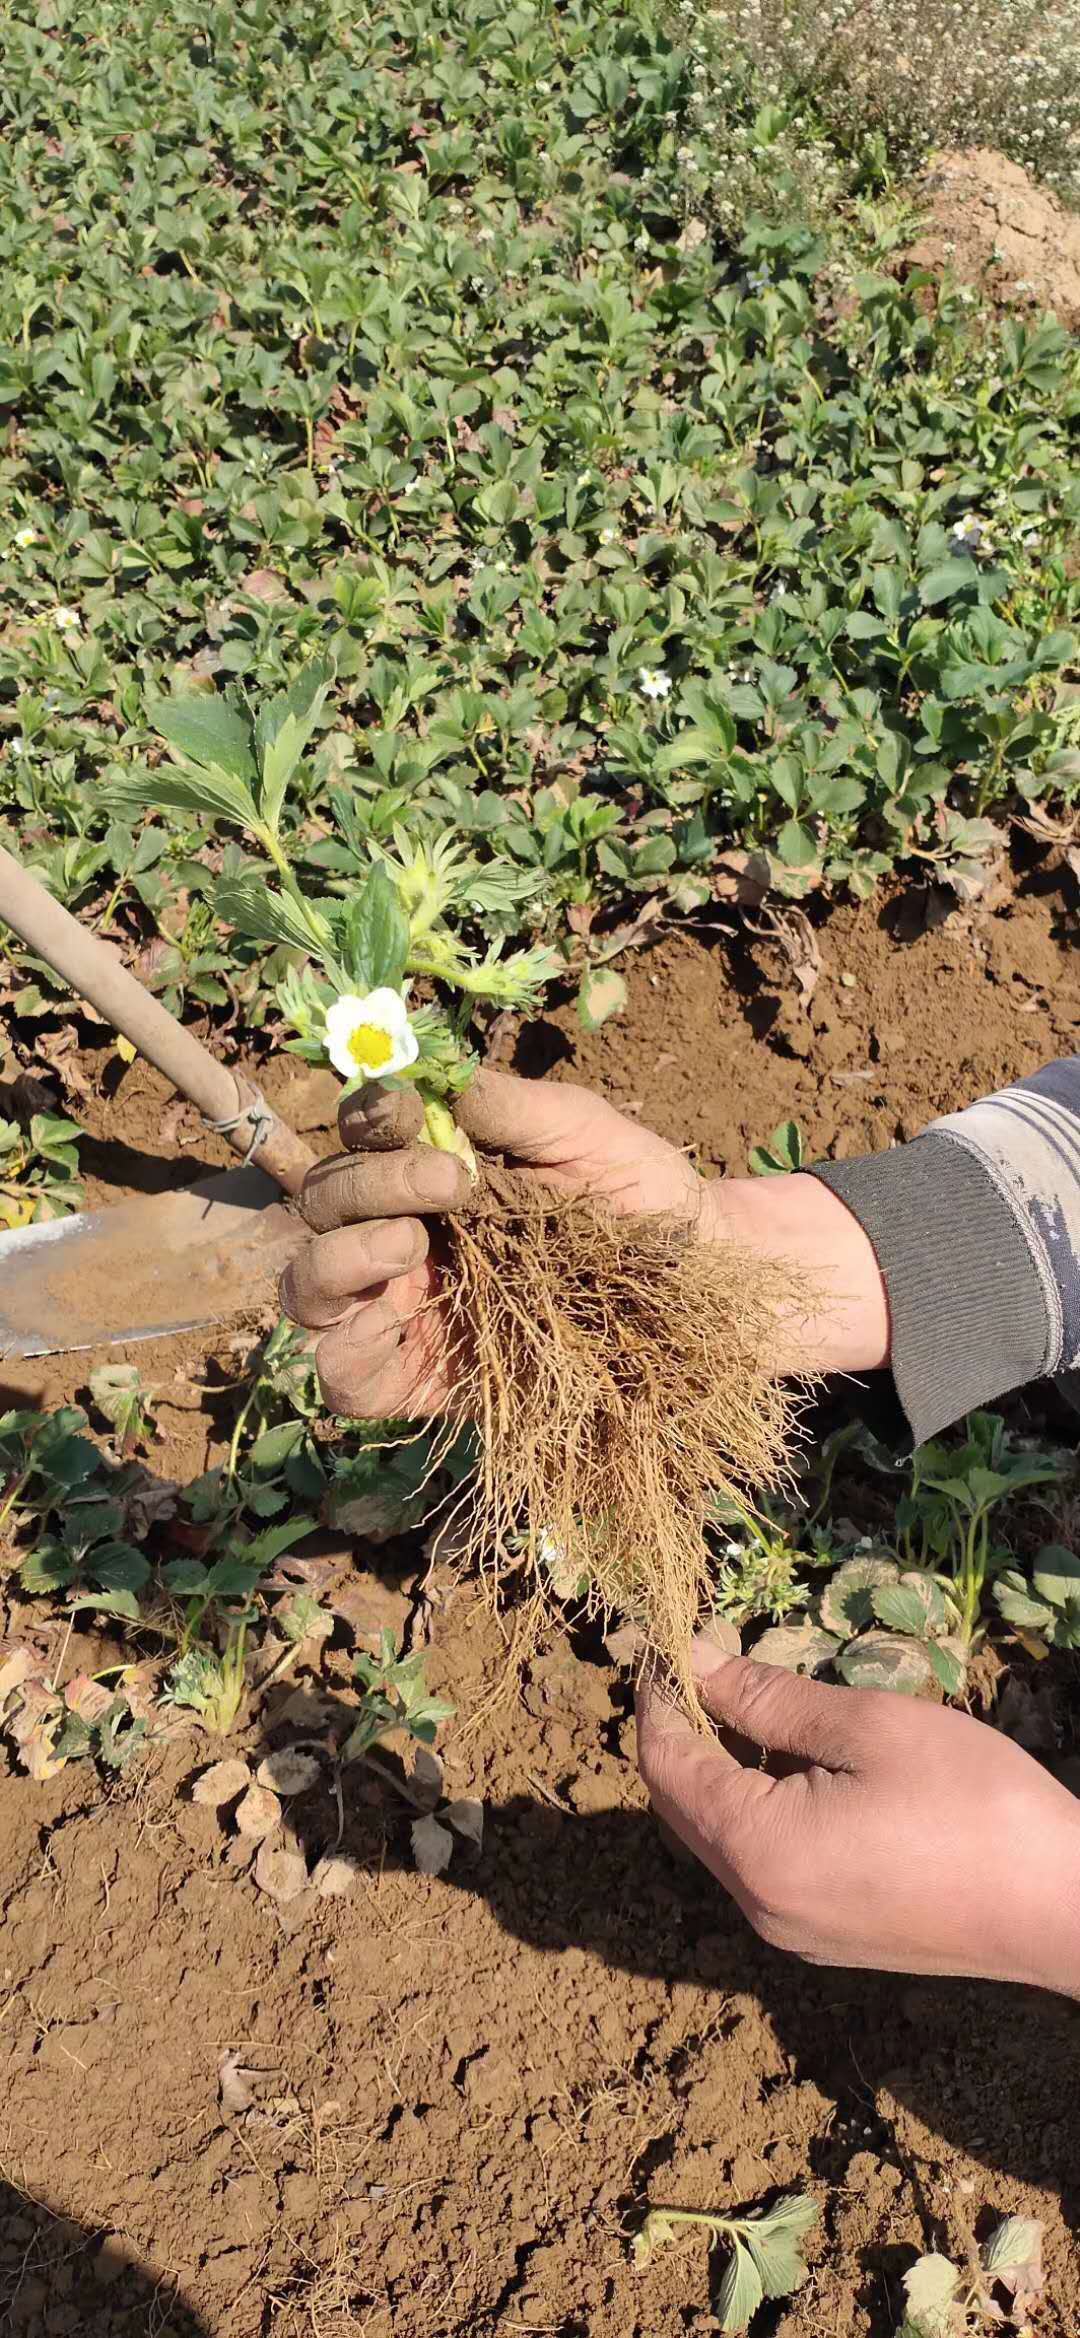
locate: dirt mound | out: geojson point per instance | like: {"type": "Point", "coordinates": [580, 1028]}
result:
{"type": "Point", "coordinates": [992, 225]}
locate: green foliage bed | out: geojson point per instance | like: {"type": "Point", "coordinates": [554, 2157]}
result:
{"type": "Point", "coordinates": [400, 338]}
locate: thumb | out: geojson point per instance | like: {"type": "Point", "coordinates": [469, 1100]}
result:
{"type": "Point", "coordinates": [779, 1710]}
{"type": "Point", "coordinates": [539, 1121]}
{"type": "Point", "coordinates": [695, 1784]}
{"type": "Point", "coordinates": [536, 1120]}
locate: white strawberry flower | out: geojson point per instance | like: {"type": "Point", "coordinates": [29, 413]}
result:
{"type": "Point", "coordinates": [370, 1035]}
{"type": "Point", "coordinates": [24, 537]}
{"type": "Point", "coordinates": [654, 682]}
{"type": "Point", "coordinates": [66, 620]}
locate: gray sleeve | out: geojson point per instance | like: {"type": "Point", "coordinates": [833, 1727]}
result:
{"type": "Point", "coordinates": [976, 1228]}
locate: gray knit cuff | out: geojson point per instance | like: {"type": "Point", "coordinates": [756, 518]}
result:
{"type": "Point", "coordinates": [969, 1313]}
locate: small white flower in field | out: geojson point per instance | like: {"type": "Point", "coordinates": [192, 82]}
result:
{"type": "Point", "coordinates": [66, 620]}
{"type": "Point", "coordinates": [501, 567]}
{"type": "Point", "coordinates": [654, 682]}
{"type": "Point", "coordinates": [971, 534]}
{"type": "Point", "coordinates": [24, 537]}
{"type": "Point", "coordinates": [371, 1035]}
{"type": "Point", "coordinates": [608, 535]}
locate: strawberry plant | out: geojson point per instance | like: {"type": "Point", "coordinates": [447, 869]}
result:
{"type": "Point", "coordinates": [39, 1170]}
{"type": "Point", "coordinates": [765, 2251]}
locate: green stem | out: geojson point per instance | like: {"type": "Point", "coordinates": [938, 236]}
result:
{"type": "Point", "coordinates": [13, 1496]}
{"type": "Point", "coordinates": [441, 1130]}
{"type": "Point", "coordinates": [238, 1431]}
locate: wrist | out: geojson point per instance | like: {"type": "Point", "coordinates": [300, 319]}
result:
{"type": "Point", "coordinates": [846, 1328]}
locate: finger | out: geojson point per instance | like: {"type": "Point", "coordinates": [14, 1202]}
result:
{"type": "Point", "coordinates": [370, 1369]}
{"type": "Point", "coordinates": [778, 1710]}
{"type": "Point", "coordinates": [378, 1119]}
{"type": "Point", "coordinates": [536, 1120]}
{"type": "Point", "coordinates": [332, 1271]}
{"type": "Point", "coordinates": [346, 1190]}
{"type": "Point", "coordinates": [696, 1784]}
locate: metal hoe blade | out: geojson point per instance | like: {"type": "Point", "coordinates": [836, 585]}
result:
{"type": "Point", "coordinates": [144, 1268]}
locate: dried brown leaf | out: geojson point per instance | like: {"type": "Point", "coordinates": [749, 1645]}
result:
{"type": "Point", "coordinates": [289, 1771]}
{"type": "Point", "coordinates": [258, 1814]}
{"type": "Point", "coordinates": [432, 1845]}
{"type": "Point", "coordinates": [221, 1783]}
{"type": "Point", "coordinates": [334, 1877]}
{"type": "Point", "coordinates": [466, 1817]}
{"type": "Point", "coordinates": [281, 1874]}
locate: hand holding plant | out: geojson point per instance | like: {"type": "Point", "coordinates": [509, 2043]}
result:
{"type": "Point", "coordinates": [598, 1350]}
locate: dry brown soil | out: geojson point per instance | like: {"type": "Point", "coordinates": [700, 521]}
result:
{"type": "Point", "coordinates": [991, 224]}
{"type": "Point", "coordinates": [469, 2087]}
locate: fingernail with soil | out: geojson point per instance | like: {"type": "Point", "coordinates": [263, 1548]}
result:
{"type": "Point", "coordinates": [717, 1639]}
{"type": "Point", "coordinates": [437, 1179]}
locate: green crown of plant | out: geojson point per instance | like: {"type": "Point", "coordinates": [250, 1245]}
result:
{"type": "Point", "coordinates": [403, 925]}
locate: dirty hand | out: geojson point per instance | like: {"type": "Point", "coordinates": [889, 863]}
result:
{"type": "Point", "coordinates": [897, 1834]}
{"type": "Point", "coordinates": [368, 1281]}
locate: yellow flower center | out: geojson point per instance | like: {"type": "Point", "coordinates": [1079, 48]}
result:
{"type": "Point", "coordinates": [370, 1047]}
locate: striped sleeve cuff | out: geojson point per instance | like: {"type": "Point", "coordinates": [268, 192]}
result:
{"type": "Point", "coordinates": [972, 1298]}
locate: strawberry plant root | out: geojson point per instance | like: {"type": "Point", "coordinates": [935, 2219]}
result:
{"type": "Point", "coordinates": [619, 1378]}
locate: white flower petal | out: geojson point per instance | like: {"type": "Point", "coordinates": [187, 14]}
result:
{"type": "Point", "coordinates": [370, 1035]}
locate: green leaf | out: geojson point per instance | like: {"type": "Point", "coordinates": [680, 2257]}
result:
{"type": "Point", "coordinates": [117, 1567]}
{"type": "Point", "coordinates": [1056, 1574]}
{"type": "Point", "coordinates": [603, 993]}
{"type": "Point", "coordinates": [265, 916]}
{"type": "Point", "coordinates": [1018, 1605]}
{"type": "Point", "coordinates": [48, 1568]}
{"type": "Point", "coordinates": [880, 1660]}
{"type": "Point", "coordinates": [782, 1154]}
{"type": "Point", "coordinates": [186, 1578]}
{"type": "Point", "coordinates": [801, 1647]}
{"type": "Point", "coordinates": [275, 1445]}
{"type": "Point", "coordinates": [915, 1605]}
{"type": "Point", "coordinates": [68, 1461]}
{"type": "Point", "coordinates": [775, 2243]}
{"type": "Point", "coordinates": [931, 2286]}
{"type": "Point", "coordinates": [119, 1603]}
{"type": "Point", "coordinates": [949, 1666]}
{"type": "Point", "coordinates": [951, 576]}
{"type": "Point", "coordinates": [795, 845]}
{"type": "Point", "coordinates": [373, 936]}
{"type": "Point", "coordinates": [283, 728]}
{"type": "Point", "coordinates": [1013, 2257]}
{"type": "Point", "coordinates": [119, 1395]}
{"type": "Point", "coordinates": [208, 730]}
{"type": "Point", "coordinates": [211, 792]}
{"type": "Point", "coordinates": [741, 2290]}
{"type": "Point", "coordinates": [231, 1578]}
{"type": "Point", "coordinates": [848, 1600]}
